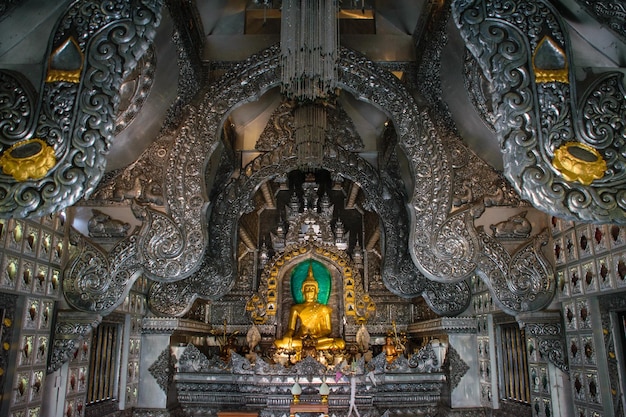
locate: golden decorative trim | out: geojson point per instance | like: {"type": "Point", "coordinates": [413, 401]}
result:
{"type": "Point", "coordinates": [357, 303]}
{"type": "Point", "coordinates": [29, 159]}
{"type": "Point", "coordinates": [548, 75]}
{"type": "Point", "coordinates": [54, 76]}
{"type": "Point", "coordinates": [576, 161]}
{"type": "Point", "coordinates": [551, 76]}
{"type": "Point", "coordinates": [70, 75]}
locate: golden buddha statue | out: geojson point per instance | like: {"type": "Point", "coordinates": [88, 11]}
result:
{"type": "Point", "coordinates": [314, 319]}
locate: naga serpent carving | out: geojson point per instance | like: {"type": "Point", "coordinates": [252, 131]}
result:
{"type": "Point", "coordinates": [548, 140]}
{"type": "Point", "coordinates": [61, 138]}
{"type": "Point", "coordinates": [428, 251]}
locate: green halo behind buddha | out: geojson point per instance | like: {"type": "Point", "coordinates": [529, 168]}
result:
{"type": "Point", "coordinates": [310, 320]}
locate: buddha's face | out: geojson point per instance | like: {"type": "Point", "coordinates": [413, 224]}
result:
{"type": "Point", "coordinates": [310, 293]}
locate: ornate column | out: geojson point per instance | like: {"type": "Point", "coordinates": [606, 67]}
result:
{"type": "Point", "coordinates": [157, 393]}
{"type": "Point", "coordinates": [461, 360]}
{"type": "Point", "coordinates": [547, 362]}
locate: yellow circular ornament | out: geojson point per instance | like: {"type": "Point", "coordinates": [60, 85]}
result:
{"type": "Point", "coordinates": [576, 161]}
{"type": "Point", "coordinates": [29, 159]}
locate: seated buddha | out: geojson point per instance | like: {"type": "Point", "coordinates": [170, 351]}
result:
{"type": "Point", "coordinates": [311, 320]}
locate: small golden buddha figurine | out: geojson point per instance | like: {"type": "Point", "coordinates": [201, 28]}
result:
{"type": "Point", "coordinates": [314, 321]}
{"type": "Point", "coordinates": [391, 353]}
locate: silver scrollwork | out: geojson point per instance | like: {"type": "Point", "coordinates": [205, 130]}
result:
{"type": "Point", "coordinates": [520, 283]}
{"type": "Point", "coordinates": [77, 119]}
{"type": "Point", "coordinates": [504, 41]}
{"type": "Point", "coordinates": [71, 329]}
{"type": "Point", "coordinates": [98, 282]}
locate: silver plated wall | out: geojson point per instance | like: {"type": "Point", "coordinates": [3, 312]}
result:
{"type": "Point", "coordinates": [610, 13]}
{"type": "Point", "coordinates": [538, 110]}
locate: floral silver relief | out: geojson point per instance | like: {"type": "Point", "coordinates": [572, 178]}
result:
{"type": "Point", "coordinates": [536, 118]}
{"type": "Point", "coordinates": [77, 118]}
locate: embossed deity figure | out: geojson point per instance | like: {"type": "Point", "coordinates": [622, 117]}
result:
{"type": "Point", "coordinates": [310, 319]}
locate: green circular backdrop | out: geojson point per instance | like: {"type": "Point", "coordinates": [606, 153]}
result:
{"type": "Point", "coordinates": [321, 274]}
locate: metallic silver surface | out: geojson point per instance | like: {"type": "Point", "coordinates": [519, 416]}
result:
{"type": "Point", "coordinates": [536, 118]}
{"type": "Point", "coordinates": [77, 118]}
{"type": "Point", "coordinates": [174, 248]}
{"type": "Point", "coordinates": [70, 330]}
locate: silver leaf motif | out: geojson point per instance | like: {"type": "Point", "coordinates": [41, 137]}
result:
{"type": "Point", "coordinates": [503, 39]}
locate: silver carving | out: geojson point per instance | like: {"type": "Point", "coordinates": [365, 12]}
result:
{"type": "Point", "coordinates": [519, 283]}
{"type": "Point", "coordinates": [443, 324]}
{"type": "Point", "coordinates": [609, 304]}
{"type": "Point", "coordinates": [515, 227]}
{"type": "Point", "coordinates": [529, 137]}
{"type": "Point", "coordinates": [102, 225]}
{"type": "Point", "coordinates": [454, 366]}
{"type": "Point", "coordinates": [475, 181]}
{"type": "Point", "coordinates": [554, 350]}
{"type": "Point", "coordinates": [77, 119]}
{"type": "Point", "coordinates": [452, 259]}
{"type": "Point", "coordinates": [609, 13]}
{"type": "Point", "coordinates": [269, 386]}
{"type": "Point", "coordinates": [448, 299]}
{"type": "Point", "coordinates": [492, 188]}
{"type": "Point", "coordinates": [71, 330]}
{"type": "Point", "coordinates": [198, 139]}
{"type": "Point", "coordinates": [168, 325]}
{"type": "Point", "coordinates": [17, 106]}
{"type": "Point", "coordinates": [478, 89]}
{"type": "Point", "coordinates": [309, 367]}
{"type": "Point", "coordinates": [176, 246]}
{"type": "Point", "coordinates": [604, 124]}
{"type": "Point", "coordinates": [152, 412]}
{"type": "Point", "coordinates": [161, 245]}
{"type": "Point", "coordinates": [163, 369]}
{"type": "Point", "coordinates": [96, 281]}
{"type": "Point", "coordinates": [142, 181]}
{"type": "Point", "coordinates": [189, 39]}
{"type": "Point", "coordinates": [551, 343]}
{"type": "Point", "coordinates": [135, 89]}
{"type": "Point", "coordinates": [279, 129]}
{"type": "Point", "coordinates": [215, 276]}
{"type": "Point", "coordinates": [425, 360]}
{"type": "Point", "coordinates": [192, 360]}
{"type": "Point", "coordinates": [452, 248]}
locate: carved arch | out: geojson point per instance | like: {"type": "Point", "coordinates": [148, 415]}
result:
{"type": "Point", "coordinates": [179, 254]}
{"type": "Point", "coordinates": [448, 264]}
